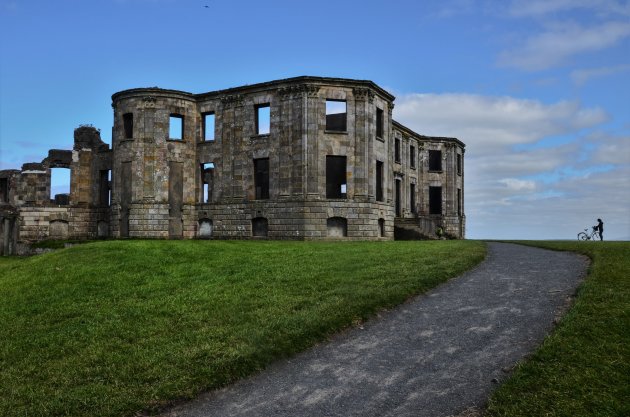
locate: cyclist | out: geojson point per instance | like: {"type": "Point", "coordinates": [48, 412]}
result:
{"type": "Point", "coordinates": [600, 228]}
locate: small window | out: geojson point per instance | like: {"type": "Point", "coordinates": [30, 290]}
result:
{"type": "Point", "coordinates": [412, 198]}
{"type": "Point", "coordinates": [435, 160]}
{"type": "Point", "coordinates": [379, 123]}
{"type": "Point", "coordinates": [412, 156]}
{"type": "Point", "coordinates": [261, 178]}
{"type": "Point", "coordinates": [176, 127]}
{"type": "Point", "coordinates": [208, 127]}
{"type": "Point", "coordinates": [381, 227]}
{"type": "Point", "coordinates": [459, 202]}
{"type": "Point", "coordinates": [336, 115]}
{"type": "Point", "coordinates": [337, 227]}
{"type": "Point", "coordinates": [207, 181]}
{"type": "Point", "coordinates": [397, 150]}
{"type": "Point", "coordinates": [263, 119]}
{"type": "Point", "coordinates": [336, 176]}
{"type": "Point", "coordinates": [128, 125]}
{"type": "Point", "coordinates": [105, 192]}
{"type": "Point", "coordinates": [4, 190]}
{"type": "Point", "coordinates": [260, 227]}
{"type": "Point", "coordinates": [459, 164]}
{"type": "Point", "coordinates": [435, 200]}
{"type": "Point", "coordinates": [379, 181]}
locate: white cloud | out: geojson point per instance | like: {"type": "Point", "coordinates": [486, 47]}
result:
{"type": "Point", "coordinates": [536, 192]}
{"type": "Point", "coordinates": [582, 76]}
{"type": "Point", "coordinates": [561, 42]}
{"type": "Point", "coordinates": [521, 8]}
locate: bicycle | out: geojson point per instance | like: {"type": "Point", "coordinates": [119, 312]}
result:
{"type": "Point", "coordinates": [594, 235]}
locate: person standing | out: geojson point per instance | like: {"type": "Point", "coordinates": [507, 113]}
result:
{"type": "Point", "coordinates": [600, 228]}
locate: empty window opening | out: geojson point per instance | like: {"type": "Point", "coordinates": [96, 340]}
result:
{"type": "Point", "coordinates": [336, 115]}
{"type": "Point", "coordinates": [379, 123]}
{"type": "Point", "coordinates": [398, 198]}
{"type": "Point", "coordinates": [207, 181]}
{"type": "Point", "coordinates": [176, 127]}
{"type": "Point", "coordinates": [435, 200]}
{"type": "Point", "coordinates": [261, 178]}
{"type": "Point", "coordinates": [105, 189]}
{"type": "Point", "coordinates": [337, 227]}
{"type": "Point", "coordinates": [263, 119]}
{"type": "Point", "coordinates": [412, 198]}
{"type": "Point", "coordinates": [4, 190]}
{"type": "Point", "coordinates": [336, 186]}
{"type": "Point", "coordinates": [459, 164]}
{"type": "Point", "coordinates": [412, 156]}
{"type": "Point", "coordinates": [260, 227]}
{"type": "Point", "coordinates": [205, 228]}
{"type": "Point", "coordinates": [381, 227]}
{"type": "Point", "coordinates": [379, 181]}
{"type": "Point", "coordinates": [397, 150]}
{"type": "Point", "coordinates": [459, 202]}
{"type": "Point", "coordinates": [128, 125]}
{"type": "Point", "coordinates": [435, 160]}
{"type": "Point", "coordinates": [208, 127]}
{"type": "Point", "coordinates": [60, 186]}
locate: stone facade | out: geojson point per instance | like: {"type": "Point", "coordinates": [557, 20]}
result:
{"type": "Point", "coordinates": [300, 158]}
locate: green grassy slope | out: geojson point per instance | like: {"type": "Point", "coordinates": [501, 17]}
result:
{"type": "Point", "coordinates": [583, 368]}
{"type": "Point", "coordinates": [110, 328]}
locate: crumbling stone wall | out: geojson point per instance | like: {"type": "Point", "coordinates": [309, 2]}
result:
{"type": "Point", "coordinates": [315, 173]}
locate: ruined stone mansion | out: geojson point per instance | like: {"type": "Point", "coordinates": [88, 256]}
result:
{"type": "Point", "coordinates": [300, 158]}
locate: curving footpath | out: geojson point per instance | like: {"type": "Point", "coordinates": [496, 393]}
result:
{"type": "Point", "coordinates": [437, 355]}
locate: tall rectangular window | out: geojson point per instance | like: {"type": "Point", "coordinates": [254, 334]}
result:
{"type": "Point", "coordinates": [379, 123]}
{"type": "Point", "coordinates": [4, 190]}
{"type": "Point", "coordinates": [397, 150]}
{"type": "Point", "coordinates": [435, 200]}
{"type": "Point", "coordinates": [261, 178]}
{"type": "Point", "coordinates": [336, 185]}
{"type": "Point", "coordinates": [336, 115]}
{"type": "Point", "coordinates": [128, 125]}
{"type": "Point", "coordinates": [207, 181]}
{"type": "Point", "coordinates": [208, 126]}
{"type": "Point", "coordinates": [104, 187]}
{"type": "Point", "coordinates": [412, 156]}
{"type": "Point", "coordinates": [459, 202]}
{"type": "Point", "coordinates": [176, 127]}
{"type": "Point", "coordinates": [412, 197]}
{"type": "Point", "coordinates": [379, 181]}
{"type": "Point", "coordinates": [435, 160]}
{"type": "Point", "coordinates": [459, 164]}
{"type": "Point", "coordinates": [263, 119]}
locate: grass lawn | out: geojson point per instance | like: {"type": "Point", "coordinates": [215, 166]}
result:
{"type": "Point", "coordinates": [583, 368]}
{"type": "Point", "coordinates": [112, 328]}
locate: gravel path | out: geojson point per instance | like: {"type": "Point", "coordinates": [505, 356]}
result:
{"type": "Point", "coordinates": [436, 355]}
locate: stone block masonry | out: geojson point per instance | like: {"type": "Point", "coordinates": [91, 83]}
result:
{"type": "Point", "coordinates": [304, 158]}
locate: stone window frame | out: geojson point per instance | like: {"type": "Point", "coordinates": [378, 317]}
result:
{"type": "Point", "coordinates": [459, 164]}
{"type": "Point", "coordinates": [127, 119]}
{"type": "Point", "coordinates": [380, 123]}
{"type": "Point", "coordinates": [412, 156]}
{"type": "Point", "coordinates": [257, 108]}
{"type": "Point", "coordinates": [432, 168]}
{"type": "Point", "coordinates": [204, 127]}
{"type": "Point", "coordinates": [183, 129]}
{"type": "Point", "coordinates": [326, 126]}
{"type": "Point", "coordinates": [397, 150]}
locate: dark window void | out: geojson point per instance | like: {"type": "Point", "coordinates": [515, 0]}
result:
{"type": "Point", "coordinates": [60, 186]}
{"type": "Point", "coordinates": [379, 181]}
{"type": "Point", "coordinates": [260, 227]}
{"type": "Point", "coordinates": [263, 119]}
{"type": "Point", "coordinates": [412, 198]}
{"type": "Point", "coordinates": [104, 186]}
{"type": "Point", "coordinates": [459, 202]}
{"type": "Point", "coordinates": [379, 123]}
{"type": "Point", "coordinates": [336, 185]}
{"type": "Point", "coordinates": [4, 190]}
{"type": "Point", "coordinates": [435, 200]}
{"type": "Point", "coordinates": [337, 227]}
{"type": "Point", "coordinates": [176, 127]}
{"type": "Point", "coordinates": [261, 178]}
{"type": "Point", "coordinates": [412, 156]}
{"type": "Point", "coordinates": [398, 198]}
{"type": "Point", "coordinates": [207, 181]}
{"type": "Point", "coordinates": [336, 115]}
{"type": "Point", "coordinates": [397, 150]}
{"type": "Point", "coordinates": [459, 164]}
{"type": "Point", "coordinates": [128, 125]}
{"type": "Point", "coordinates": [381, 227]}
{"type": "Point", "coordinates": [208, 126]}
{"type": "Point", "coordinates": [435, 160]}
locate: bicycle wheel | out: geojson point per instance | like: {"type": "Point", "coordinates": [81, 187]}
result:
{"type": "Point", "coordinates": [582, 236]}
{"type": "Point", "coordinates": [595, 236]}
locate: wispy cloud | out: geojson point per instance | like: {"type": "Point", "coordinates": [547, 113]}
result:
{"type": "Point", "coordinates": [582, 76]}
{"type": "Point", "coordinates": [537, 8]}
{"type": "Point", "coordinates": [561, 42]}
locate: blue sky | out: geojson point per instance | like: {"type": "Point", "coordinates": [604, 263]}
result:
{"type": "Point", "coordinates": [539, 90]}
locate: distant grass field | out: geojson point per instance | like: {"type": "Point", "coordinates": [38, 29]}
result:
{"type": "Point", "coordinates": [583, 368]}
{"type": "Point", "coordinates": [112, 328]}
